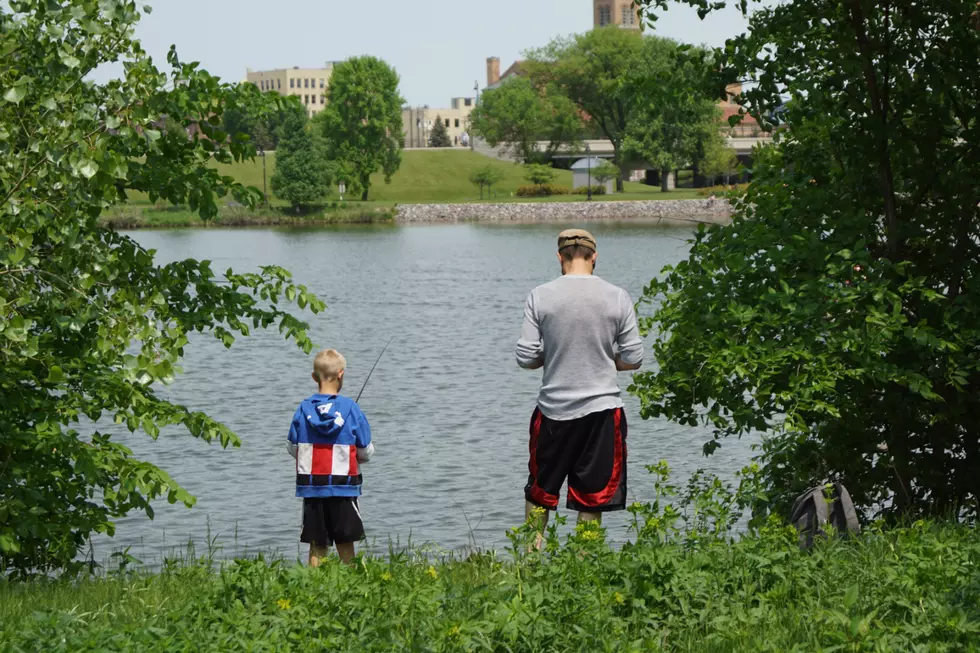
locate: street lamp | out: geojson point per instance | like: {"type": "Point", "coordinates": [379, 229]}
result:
{"type": "Point", "coordinates": [265, 193]}
{"type": "Point", "coordinates": [588, 160]}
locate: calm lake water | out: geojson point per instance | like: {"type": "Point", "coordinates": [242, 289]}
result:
{"type": "Point", "coordinates": [449, 408]}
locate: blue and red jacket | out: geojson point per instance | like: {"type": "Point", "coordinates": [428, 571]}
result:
{"type": "Point", "coordinates": [329, 437]}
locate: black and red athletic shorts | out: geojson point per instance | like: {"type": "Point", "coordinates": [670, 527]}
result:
{"type": "Point", "coordinates": [590, 451]}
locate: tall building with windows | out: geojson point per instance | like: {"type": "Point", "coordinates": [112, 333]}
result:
{"type": "Point", "coordinates": [621, 13]}
{"type": "Point", "coordinates": [308, 84]}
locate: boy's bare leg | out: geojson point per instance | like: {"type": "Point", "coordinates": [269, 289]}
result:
{"type": "Point", "coordinates": [346, 553]}
{"type": "Point", "coordinates": [317, 553]}
{"type": "Point", "coordinates": [541, 521]}
{"type": "Point", "coordinates": [589, 516]}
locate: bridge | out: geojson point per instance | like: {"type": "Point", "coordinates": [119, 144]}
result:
{"type": "Point", "coordinates": [743, 147]}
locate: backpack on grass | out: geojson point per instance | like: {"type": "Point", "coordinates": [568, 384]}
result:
{"type": "Point", "coordinates": [823, 506]}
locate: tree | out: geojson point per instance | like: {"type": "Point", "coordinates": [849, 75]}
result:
{"type": "Point", "coordinates": [302, 176]}
{"type": "Point", "coordinates": [439, 136]}
{"type": "Point", "coordinates": [538, 174]}
{"type": "Point", "coordinates": [720, 161]}
{"type": "Point", "coordinates": [605, 172]}
{"type": "Point", "coordinates": [362, 123]}
{"type": "Point", "coordinates": [679, 119]}
{"type": "Point", "coordinates": [610, 74]}
{"type": "Point", "coordinates": [90, 324]}
{"type": "Point", "coordinates": [840, 313]}
{"type": "Point", "coordinates": [263, 123]}
{"type": "Point", "coordinates": [517, 116]}
{"type": "Point", "coordinates": [486, 176]}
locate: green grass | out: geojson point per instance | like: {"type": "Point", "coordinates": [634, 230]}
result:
{"type": "Point", "coordinates": [688, 583]}
{"type": "Point", "coordinates": [135, 216]}
{"type": "Point", "coordinates": [441, 177]}
{"type": "Point", "coordinates": [908, 589]}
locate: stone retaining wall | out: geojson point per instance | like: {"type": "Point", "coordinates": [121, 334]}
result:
{"type": "Point", "coordinates": [713, 211]}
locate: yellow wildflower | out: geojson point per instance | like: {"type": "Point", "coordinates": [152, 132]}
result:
{"type": "Point", "coordinates": [386, 577]}
{"type": "Point", "coordinates": [432, 572]}
{"type": "Point", "coordinates": [284, 604]}
{"type": "Point", "coordinates": [453, 632]}
{"type": "Point", "coordinates": [618, 598]}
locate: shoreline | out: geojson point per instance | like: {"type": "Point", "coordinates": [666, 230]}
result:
{"type": "Point", "coordinates": [653, 212]}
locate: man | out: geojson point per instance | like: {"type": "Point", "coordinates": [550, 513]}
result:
{"type": "Point", "coordinates": [583, 331]}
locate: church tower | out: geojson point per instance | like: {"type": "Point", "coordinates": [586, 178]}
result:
{"type": "Point", "coordinates": [615, 12]}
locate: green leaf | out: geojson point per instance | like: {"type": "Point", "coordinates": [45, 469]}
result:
{"type": "Point", "coordinates": [15, 94]}
{"type": "Point", "coordinates": [55, 374]}
{"type": "Point", "coordinates": [88, 168]}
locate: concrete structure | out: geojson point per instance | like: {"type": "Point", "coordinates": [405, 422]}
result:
{"type": "Point", "coordinates": [666, 212]}
{"type": "Point", "coordinates": [620, 13]}
{"type": "Point", "coordinates": [417, 122]}
{"type": "Point", "coordinates": [308, 84]}
{"type": "Point", "coordinates": [581, 170]}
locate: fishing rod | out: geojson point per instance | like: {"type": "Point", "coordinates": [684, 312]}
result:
{"type": "Point", "coordinates": [372, 371]}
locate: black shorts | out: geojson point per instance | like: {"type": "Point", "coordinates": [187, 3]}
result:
{"type": "Point", "coordinates": [330, 520]}
{"type": "Point", "coordinates": [590, 451]}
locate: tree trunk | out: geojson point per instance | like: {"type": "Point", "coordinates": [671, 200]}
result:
{"type": "Point", "coordinates": [664, 180]}
{"type": "Point", "coordinates": [366, 185]}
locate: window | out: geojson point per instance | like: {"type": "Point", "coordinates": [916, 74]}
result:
{"type": "Point", "coordinates": [457, 122]}
{"type": "Point", "coordinates": [629, 16]}
{"type": "Point", "coordinates": [306, 99]}
{"type": "Point", "coordinates": [291, 82]}
{"type": "Point", "coordinates": [468, 101]}
{"type": "Point", "coordinates": [306, 83]}
{"type": "Point", "coordinates": [605, 15]}
{"type": "Point", "coordinates": [447, 122]}
{"type": "Point", "coordinates": [278, 83]}
{"type": "Point", "coordinates": [322, 82]}
{"type": "Point", "coordinates": [323, 99]}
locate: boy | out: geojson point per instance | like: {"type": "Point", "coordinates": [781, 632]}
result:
{"type": "Point", "coordinates": [329, 436]}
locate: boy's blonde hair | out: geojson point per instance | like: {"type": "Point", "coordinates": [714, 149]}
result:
{"type": "Point", "coordinates": [328, 365]}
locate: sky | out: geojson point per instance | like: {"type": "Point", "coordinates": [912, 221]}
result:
{"type": "Point", "coordinates": [439, 48]}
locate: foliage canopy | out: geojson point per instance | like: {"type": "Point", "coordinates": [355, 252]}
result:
{"type": "Point", "coordinates": [840, 313]}
{"type": "Point", "coordinates": [90, 324]}
{"type": "Point", "coordinates": [517, 115]}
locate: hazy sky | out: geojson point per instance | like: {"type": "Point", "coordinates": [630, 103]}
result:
{"type": "Point", "coordinates": [438, 48]}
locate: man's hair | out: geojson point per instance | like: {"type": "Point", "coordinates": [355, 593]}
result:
{"type": "Point", "coordinates": [573, 252]}
{"type": "Point", "coordinates": [328, 365]}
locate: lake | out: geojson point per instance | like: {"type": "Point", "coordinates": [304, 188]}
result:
{"type": "Point", "coordinates": [448, 406]}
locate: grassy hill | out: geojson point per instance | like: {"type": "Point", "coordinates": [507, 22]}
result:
{"type": "Point", "coordinates": [440, 176]}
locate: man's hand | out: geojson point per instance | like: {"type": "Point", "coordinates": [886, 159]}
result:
{"type": "Point", "coordinates": [535, 365]}
{"type": "Point", "coordinates": [626, 367]}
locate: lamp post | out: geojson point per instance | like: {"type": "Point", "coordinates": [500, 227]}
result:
{"type": "Point", "coordinates": [265, 193]}
{"type": "Point", "coordinates": [588, 160]}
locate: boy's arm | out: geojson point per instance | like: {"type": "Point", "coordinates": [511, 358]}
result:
{"type": "Point", "coordinates": [362, 437]}
{"type": "Point", "coordinates": [293, 439]}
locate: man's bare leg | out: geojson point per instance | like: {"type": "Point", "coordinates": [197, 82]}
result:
{"type": "Point", "coordinates": [590, 516]}
{"type": "Point", "coordinates": [540, 521]}
{"type": "Point", "coordinates": [317, 554]}
{"type": "Point", "coordinates": [346, 553]}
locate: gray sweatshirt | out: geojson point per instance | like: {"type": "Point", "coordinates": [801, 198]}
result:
{"type": "Point", "coordinates": [577, 325]}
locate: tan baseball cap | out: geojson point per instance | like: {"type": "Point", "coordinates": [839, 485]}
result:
{"type": "Point", "coordinates": [573, 237]}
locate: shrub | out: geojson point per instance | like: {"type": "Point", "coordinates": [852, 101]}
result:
{"type": "Point", "coordinates": [541, 190]}
{"type": "Point", "coordinates": [584, 190]}
{"type": "Point", "coordinates": [539, 175]}
{"type": "Point", "coordinates": [723, 191]}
